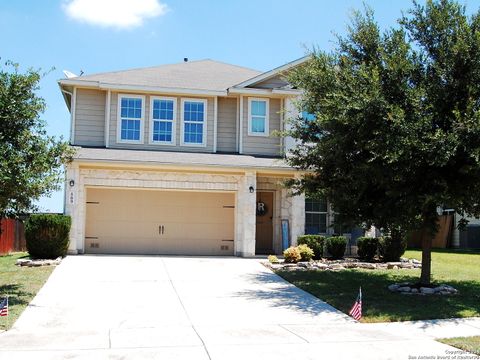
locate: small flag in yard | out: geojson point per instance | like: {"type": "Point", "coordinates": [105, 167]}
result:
{"type": "Point", "coordinates": [356, 311]}
{"type": "Point", "coordinates": [4, 307]}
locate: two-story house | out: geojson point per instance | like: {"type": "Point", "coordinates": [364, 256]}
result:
{"type": "Point", "coordinates": [180, 159]}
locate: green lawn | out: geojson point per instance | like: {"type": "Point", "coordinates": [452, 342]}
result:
{"type": "Point", "coordinates": [20, 284]}
{"type": "Point", "coordinates": [470, 344]}
{"type": "Point", "coordinates": [459, 269]}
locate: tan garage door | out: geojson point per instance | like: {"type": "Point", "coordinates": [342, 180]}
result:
{"type": "Point", "coordinates": [159, 222]}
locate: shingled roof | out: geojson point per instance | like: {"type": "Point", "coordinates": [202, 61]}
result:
{"type": "Point", "coordinates": [206, 74]}
{"type": "Point", "coordinates": [179, 158]}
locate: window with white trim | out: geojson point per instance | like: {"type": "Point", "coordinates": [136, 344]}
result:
{"type": "Point", "coordinates": [130, 121]}
{"type": "Point", "coordinates": [258, 117]}
{"type": "Point", "coordinates": [163, 115]}
{"type": "Point", "coordinates": [194, 122]}
{"type": "Point", "coordinates": [308, 116]}
{"type": "Point", "coordinates": [316, 213]}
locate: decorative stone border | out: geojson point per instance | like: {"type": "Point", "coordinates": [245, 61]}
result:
{"type": "Point", "coordinates": [412, 289]}
{"type": "Point", "coordinates": [38, 262]}
{"type": "Point", "coordinates": [347, 263]}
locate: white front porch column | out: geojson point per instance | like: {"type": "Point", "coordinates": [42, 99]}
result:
{"type": "Point", "coordinates": [246, 215]}
{"type": "Point", "coordinates": [297, 217]}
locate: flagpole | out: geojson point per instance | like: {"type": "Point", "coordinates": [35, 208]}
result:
{"type": "Point", "coordinates": [8, 314]}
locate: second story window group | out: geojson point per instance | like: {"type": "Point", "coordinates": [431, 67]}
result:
{"type": "Point", "coordinates": [163, 118]}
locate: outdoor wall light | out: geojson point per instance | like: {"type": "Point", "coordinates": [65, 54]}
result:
{"type": "Point", "coordinates": [251, 189]}
{"type": "Point", "coordinates": [71, 182]}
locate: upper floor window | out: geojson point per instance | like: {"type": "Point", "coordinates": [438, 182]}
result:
{"type": "Point", "coordinates": [130, 120]}
{"type": "Point", "coordinates": [194, 114]}
{"type": "Point", "coordinates": [258, 117]}
{"type": "Point", "coordinates": [316, 213]}
{"type": "Point", "coordinates": [308, 116]}
{"type": "Point", "coordinates": [163, 115]}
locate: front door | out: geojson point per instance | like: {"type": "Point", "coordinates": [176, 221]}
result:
{"type": "Point", "coordinates": [264, 224]}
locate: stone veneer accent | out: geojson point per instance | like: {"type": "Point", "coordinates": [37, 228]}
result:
{"type": "Point", "coordinates": [286, 207]}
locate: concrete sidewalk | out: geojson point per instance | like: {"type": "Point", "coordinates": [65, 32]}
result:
{"type": "Point", "coordinates": [132, 307]}
{"type": "Point", "coordinates": [433, 329]}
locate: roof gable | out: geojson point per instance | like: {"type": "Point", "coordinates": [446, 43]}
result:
{"type": "Point", "coordinates": [275, 73]}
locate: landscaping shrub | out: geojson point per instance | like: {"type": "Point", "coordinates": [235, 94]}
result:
{"type": "Point", "coordinates": [292, 255]}
{"type": "Point", "coordinates": [336, 246]}
{"type": "Point", "coordinates": [306, 253]}
{"type": "Point", "coordinates": [391, 249]}
{"type": "Point", "coordinates": [47, 235]}
{"type": "Point", "coordinates": [273, 259]}
{"type": "Point", "coordinates": [367, 247]}
{"type": "Point", "coordinates": [314, 242]}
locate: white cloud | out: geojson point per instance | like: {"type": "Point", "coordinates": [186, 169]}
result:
{"type": "Point", "coordinates": [114, 13]}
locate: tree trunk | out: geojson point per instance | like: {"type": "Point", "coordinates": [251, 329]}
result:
{"type": "Point", "coordinates": [426, 259]}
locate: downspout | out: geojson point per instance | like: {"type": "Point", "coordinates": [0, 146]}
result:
{"type": "Point", "coordinates": [107, 117]}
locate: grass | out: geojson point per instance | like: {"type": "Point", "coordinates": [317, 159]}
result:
{"type": "Point", "coordinates": [21, 284]}
{"type": "Point", "coordinates": [459, 269]}
{"type": "Point", "coordinates": [470, 344]}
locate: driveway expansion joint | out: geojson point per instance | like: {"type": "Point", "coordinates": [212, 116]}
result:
{"type": "Point", "coordinates": [184, 309]}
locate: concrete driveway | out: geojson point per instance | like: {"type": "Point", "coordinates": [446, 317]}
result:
{"type": "Point", "coordinates": [129, 307]}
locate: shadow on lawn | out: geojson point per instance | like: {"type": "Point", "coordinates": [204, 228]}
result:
{"type": "Point", "coordinates": [16, 296]}
{"type": "Point", "coordinates": [340, 289]}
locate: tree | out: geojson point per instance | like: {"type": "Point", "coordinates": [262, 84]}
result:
{"type": "Point", "coordinates": [30, 160]}
{"type": "Point", "coordinates": [397, 121]}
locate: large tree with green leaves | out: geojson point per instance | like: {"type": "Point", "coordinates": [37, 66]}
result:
{"type": "Point", "coordinates": [30, 160]}
{"type": "Point", "coordinates": [397, 120]}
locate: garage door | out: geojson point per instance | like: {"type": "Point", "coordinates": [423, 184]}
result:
{"type": "Point", "coordinates": [159, 222]}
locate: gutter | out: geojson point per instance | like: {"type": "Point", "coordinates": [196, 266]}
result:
{"type": "Point", "coordinates": [140, 88]}
{"type": "Point", "coordinates": [191, 166]}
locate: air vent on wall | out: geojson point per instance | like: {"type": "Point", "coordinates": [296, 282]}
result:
{"type": "Point", "coordinates": [224, 247]}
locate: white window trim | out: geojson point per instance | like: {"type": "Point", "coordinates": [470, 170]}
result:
{"type": "Point", "coordinates": [205, 123]}
{"type": "Point", "coordinates": [174, 121]}
{"type": "Point", "coordinates": [266, 133]}
{"type": "Point", "coordinates": [119, 119]}
{"type": "Point", "coordinates": [327, 217]}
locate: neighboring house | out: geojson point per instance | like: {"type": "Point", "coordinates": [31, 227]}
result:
{"type": "Point", "coordinates": [181, 159]}
{"type": "Point", "coordinates": [468, 238]}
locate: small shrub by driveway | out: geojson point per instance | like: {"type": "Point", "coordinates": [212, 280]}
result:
{"type": "Point", "coordinates": [47, 235]}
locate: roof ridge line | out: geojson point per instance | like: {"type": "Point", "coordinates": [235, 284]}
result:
{"type": "Point", "coordinates": [162, 65]}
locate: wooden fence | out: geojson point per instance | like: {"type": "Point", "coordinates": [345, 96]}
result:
{"type": "Point", "coordinates": [12, 236]}
{"type": "Point", "coordinates": [442, 238]}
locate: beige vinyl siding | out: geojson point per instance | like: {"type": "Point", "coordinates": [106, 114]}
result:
{"type": "Point", "coordinates": [272, 83]}
{"type": "Point", "coordinates": [90, 118]}
{"type": "Point", "coordinates": [262, 145]}
{"type": "Point", "coordinates": [226, 124]}
{"type": "Point", "coordinates": [146, 145]}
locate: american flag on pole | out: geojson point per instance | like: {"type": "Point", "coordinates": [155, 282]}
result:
{"type": "Point", "coordinates": [4, 307]}
{"type": "Point", "coordinates": [356, 311]}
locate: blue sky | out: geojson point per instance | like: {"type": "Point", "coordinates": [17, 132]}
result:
{"type": "Point", "coordinates": [81, 35]}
